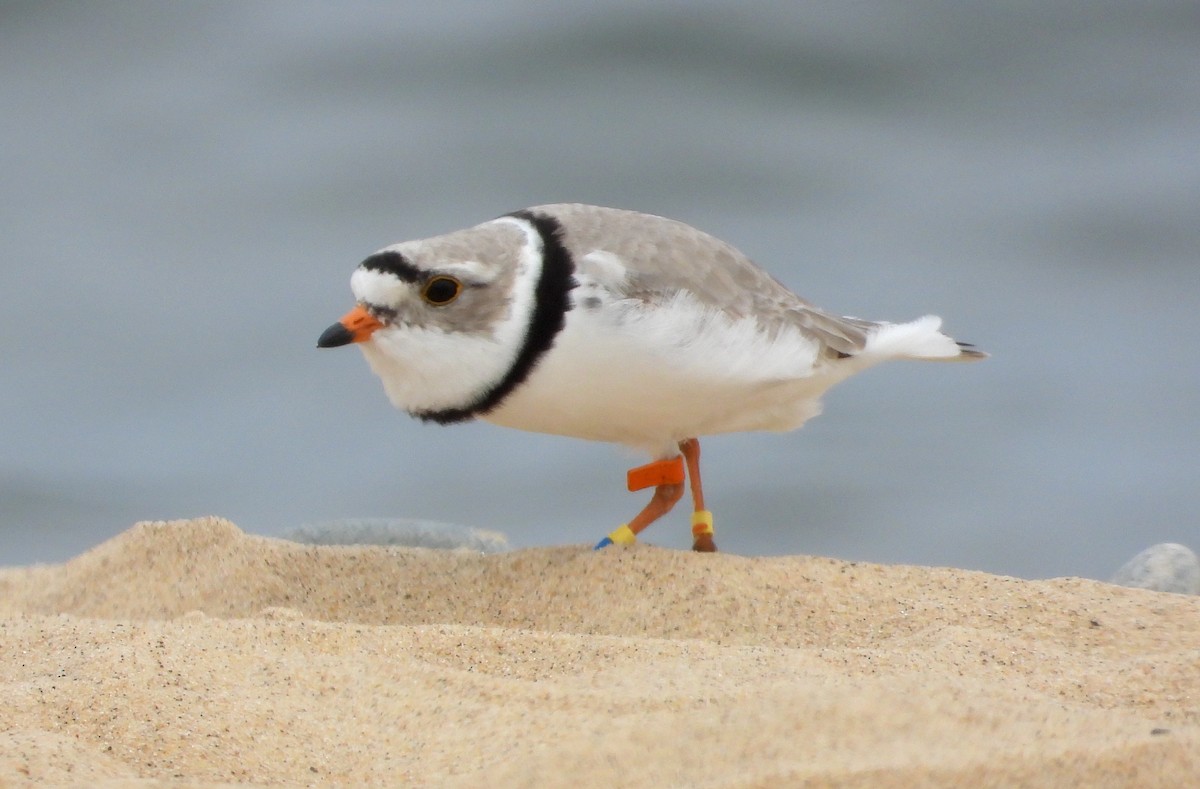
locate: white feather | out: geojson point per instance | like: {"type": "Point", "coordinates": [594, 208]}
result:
{"type": "Point", "coordinates": [649, 376]}
{"type": "Point", "coordinates": [919, 339]}
{"type": "Point", "coordinates": [377, 287]}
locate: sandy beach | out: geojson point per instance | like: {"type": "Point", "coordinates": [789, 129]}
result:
{"type": "Point", "coordinates": [191, 654]}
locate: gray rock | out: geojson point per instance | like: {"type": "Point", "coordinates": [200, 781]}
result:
{"type": "Point", "coordinates": [409, 532]}
{"type": "Point", "coordinates": [1166, 567]}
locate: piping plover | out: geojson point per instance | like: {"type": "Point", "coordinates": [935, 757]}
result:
{"type": "Point", "coordinates": [609, 325]}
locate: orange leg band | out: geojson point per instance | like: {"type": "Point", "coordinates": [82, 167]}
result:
{"type": "Point", "coordinates": [660, 472]}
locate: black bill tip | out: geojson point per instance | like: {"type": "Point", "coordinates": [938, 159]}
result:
{"type": "Point", "coordinates": [335, 336]}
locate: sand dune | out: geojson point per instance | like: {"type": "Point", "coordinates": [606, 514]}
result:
{"type": "Point", "coordinates": [191, 654]}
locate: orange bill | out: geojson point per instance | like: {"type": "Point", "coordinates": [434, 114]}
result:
{"type": "Point", "coordinates": [356, 325]}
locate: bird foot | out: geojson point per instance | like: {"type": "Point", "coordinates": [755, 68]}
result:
{"type": "Point", "coordinates": [702, 532]}
{"type": "Point", "coordinates": [622, 535]}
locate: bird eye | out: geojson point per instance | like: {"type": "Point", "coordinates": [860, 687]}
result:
{"type": "Point", "coordinates": [440, 291]}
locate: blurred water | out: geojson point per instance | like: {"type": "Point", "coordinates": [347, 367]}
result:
{"type": "Point", "coordinates": [187, 187]}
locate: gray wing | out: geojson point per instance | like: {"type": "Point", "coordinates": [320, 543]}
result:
{"type": "Point", "coordinates": [665, 256]}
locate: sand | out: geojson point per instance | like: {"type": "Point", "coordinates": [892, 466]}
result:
{"type": "Point", "coordinates": [191, 654]}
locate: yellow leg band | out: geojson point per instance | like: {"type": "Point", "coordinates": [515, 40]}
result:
{"type": "Point", "coordinates": [702, 522]}
{"type": "Point", "coordinates": [623, 535]}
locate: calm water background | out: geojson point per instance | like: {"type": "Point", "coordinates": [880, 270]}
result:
{"type": "Point", "coordinates": [187, 187]}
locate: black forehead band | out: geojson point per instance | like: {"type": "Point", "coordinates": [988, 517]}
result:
{"type": "Point", "coordinates": [395, 264]}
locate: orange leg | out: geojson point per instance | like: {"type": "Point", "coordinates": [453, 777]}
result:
{"type": "Point", "coordinates": [702, 526]}
{"type": "Point", "coordinates": [667, 477]}
{"type": "Point", "coordinates": [664, 499]}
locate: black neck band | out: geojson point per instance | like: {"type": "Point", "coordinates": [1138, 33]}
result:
{"type": "Point", "coordinates": [552, 301]}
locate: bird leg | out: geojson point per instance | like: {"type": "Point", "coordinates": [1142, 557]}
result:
{"type": "Point", "coordinates": [666, 477]}
{"type": "Point", "coordinates": [702, 520]}
{"type": "Point", "coordinates": [660, 504]}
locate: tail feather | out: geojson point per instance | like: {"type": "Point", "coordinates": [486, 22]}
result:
{"type": "Point", "coordinates": [919, 339]}
{"type": "Point", "coordinates": [968, 353]}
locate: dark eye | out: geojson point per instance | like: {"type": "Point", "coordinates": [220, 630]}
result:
{"type": "Point", "coordinates": [440, 291]}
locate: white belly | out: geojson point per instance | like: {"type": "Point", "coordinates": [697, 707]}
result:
{"type": "Point", "coordinates": [650, 377]}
